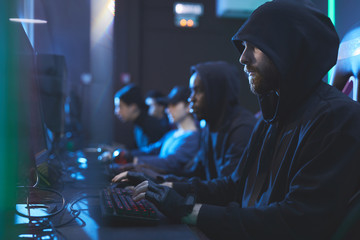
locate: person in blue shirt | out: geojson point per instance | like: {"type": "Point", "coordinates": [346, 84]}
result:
{"type": "Point", "coordinates": [178, 147]}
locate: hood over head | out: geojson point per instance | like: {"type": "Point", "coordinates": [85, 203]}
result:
{"type": "Point", "coordinates": [302, 43]}
{"type": "Point", "coordinates": [222, 88]}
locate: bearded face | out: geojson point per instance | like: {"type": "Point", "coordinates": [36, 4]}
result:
{"type": "Point", "coordinates": [262, 74]}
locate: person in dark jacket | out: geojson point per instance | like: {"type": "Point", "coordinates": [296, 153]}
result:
{"type": "Point", "coordinates": [299, 174]}
{"type": "Point", "coordinates": [157, 108]}
{"type": "Point", "coordinates": [215, 99]}
{"type": "Point", "coordinates": [130, 107]}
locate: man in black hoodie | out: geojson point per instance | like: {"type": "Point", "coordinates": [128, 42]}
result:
{"type": "Point", "coordinates": [299, 174]}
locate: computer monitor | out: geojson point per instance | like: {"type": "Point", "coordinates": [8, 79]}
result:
{"type": "Point", "coordinates": [31, 132]}
{"type": "Point", "coordinates": [32, 203]}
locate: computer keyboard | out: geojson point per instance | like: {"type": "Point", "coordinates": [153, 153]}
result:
{"type": "Point", "coordinates": [117, 206]}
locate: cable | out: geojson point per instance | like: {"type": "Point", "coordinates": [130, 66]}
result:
{"type": "Point", "coordinates": [37, 178]}
{"type": "Point", "coordinates": [81, 198]}
{"type": "Point", "coordinates": [28, 205]}
{"type": "Point", "coordinates": [76, 212]}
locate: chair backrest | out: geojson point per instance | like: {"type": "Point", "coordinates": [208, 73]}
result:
{"type": "Point", "coordinates": [346, 77]}
{"type": "Point", "coordinates": [346, 73]}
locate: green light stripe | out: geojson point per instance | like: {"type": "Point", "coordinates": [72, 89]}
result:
{"type": "Point", "coordinates": [331, 15]}
{"type": "Point", "coordinates": [331, 10]}
{"type": "Point", "coordinates": [8, 128]}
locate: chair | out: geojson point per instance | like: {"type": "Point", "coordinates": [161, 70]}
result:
{"type": "Point", "coordinates": [346, 78]}
{"type": "Point", "coordinates": [347, 70]}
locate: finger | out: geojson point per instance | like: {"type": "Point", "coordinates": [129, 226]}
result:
{"type": "Point", "coordinates": [156, 188]}
{"type": "Point", "coordinates": [167, 184]}
{"type": "Point", "coordinates": [120, 176]}
{"type": "Point", "coordinates": [142, 184]}
{"type": "Point", "coordinates": [139, 196]}
{"type": "Point", "coordinates": [130, 188]}
{"type": "Point", "coordinates": [142, 187]}
{"type": "Point", "coordinates": [152, 197]}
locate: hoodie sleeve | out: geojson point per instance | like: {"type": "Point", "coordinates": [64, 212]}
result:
{"type": "Point", "coordinates": [180, 151]}
{"type": "Point", "coordinates": [320, 187]}
{"type": "Point", "coordinates": [236, 143]}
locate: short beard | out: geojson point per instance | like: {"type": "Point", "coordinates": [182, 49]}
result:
{"type": "Point", "coordinates": [259, 85]}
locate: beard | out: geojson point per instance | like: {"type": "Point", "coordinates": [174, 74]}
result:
{"type": "Point", "coordinates": [253, 85]}
{"type": "Point", "coordinates": [258, 83]}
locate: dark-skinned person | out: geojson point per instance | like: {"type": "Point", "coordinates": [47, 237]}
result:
{"type": "Point", "coordinates": [214, 99]}
{"type": "Point", "coordinates": [299, 174]}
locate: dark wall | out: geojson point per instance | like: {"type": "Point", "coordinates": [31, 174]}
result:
{"type": "Point", "coordinates": [161, 54]}
{"type": "Point", "coordinates": [66, 33]}
{"type": "Point", "coordinates": [169, 51]}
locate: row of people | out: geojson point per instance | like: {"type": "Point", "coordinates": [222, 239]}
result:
{"type": "Point", "coordinates": [297, 176]}
{"type": "Point", "coordinates": [177, 148]}
{"type": "Point", "coordinates": [215, 149]}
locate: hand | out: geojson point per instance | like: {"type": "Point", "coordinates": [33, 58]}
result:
{"type": "Point", "coordinates": [133, 178]}
{"type": "Point", "coordinates": [167, 200]}
{"type": "Point", "coordinates": [168, 184]}
{"type": "Point", "coordinates": [191, 219]}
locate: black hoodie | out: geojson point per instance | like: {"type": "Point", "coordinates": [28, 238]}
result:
{"type": "Point", "coordinates": [301, 168]}
{"type": "Point", "coordinates": [228, 125]}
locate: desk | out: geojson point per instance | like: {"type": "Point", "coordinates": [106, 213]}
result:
{"type": "Point", "coordinates": [89, 224]}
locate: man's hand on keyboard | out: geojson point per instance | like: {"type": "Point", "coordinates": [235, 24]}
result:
{"type": "Point", "coordinates": [167, 200]}
{"type": "Point", "coordinates": [134, 178]}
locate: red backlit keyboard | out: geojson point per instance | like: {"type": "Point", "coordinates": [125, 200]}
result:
{"type": "Point", "coordinates": [117, 205]}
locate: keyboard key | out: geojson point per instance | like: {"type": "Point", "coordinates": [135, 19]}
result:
{"type": "Point", "coordinates": [117, 204]}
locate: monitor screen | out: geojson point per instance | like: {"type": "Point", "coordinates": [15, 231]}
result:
{"type": "Point", "coordinates": [32, 138]}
